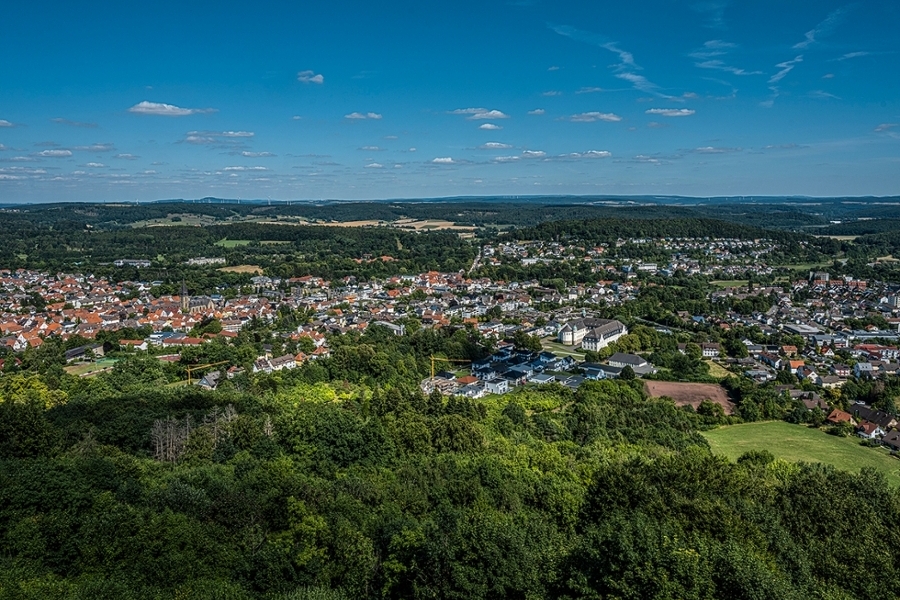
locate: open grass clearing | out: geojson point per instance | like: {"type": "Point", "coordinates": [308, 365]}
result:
{"type": "Point", "coordinates": [226, 243]}
{"type": "Point", "coordinates": [798, 443]}
{"type": "Point", "coordinates": [87, 369]}
{"type": "Point", "coordinates": [243, 269]}
{"type": "Point", "coordinates": [717, 370]}
{"type": "Point", "coordinates": [551, 345]}
{"type": "Point", "coordinates": [727, 283]}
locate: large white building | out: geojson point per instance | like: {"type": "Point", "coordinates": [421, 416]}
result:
{"type": "Point", "coordinates": [591, 334]}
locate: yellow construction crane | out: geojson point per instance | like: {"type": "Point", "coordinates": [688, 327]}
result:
{"type": "Point", "coordinates": [452, 360]}
{"type": "Point", "coordinates": [196, 367]}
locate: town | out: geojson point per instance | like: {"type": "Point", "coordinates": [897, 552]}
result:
{"type": "Point", "coordinates": [808, 334]}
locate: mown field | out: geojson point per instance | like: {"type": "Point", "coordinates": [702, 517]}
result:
{"type": "Point", "coordinates": [799, 443]}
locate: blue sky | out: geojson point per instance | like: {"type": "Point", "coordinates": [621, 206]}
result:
{"type": "Point", "coordinates": [356, 100]}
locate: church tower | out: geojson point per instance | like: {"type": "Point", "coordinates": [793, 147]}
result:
{"type": "Point", "coordinates": [185, 299]}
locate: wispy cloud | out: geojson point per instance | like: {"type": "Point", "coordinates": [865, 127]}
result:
{"type": "Point", "coordinates": [443, 160]}
{"type": "Point", "coordinates": [714, 12]}
{"type": "Point", "coordinates": [850, 55]}
{"type": "Point", "coordinates": [96, 148]}
{"type": "Point", "coordinates": [310, 77]}
{"type": "Point", "coordinates": [240, 168]}
{"type": "Point", "coordinates": [823, 95]}
{"type": "Point", "coordinates": [886, 127]}
{"type": "Point", "coordinates": [670, 112]}
{"type": "Point", "coordinates": [824, 28]}
{"type": "Point", "coordinates": [537, 111]}
{"type": "Point", "coordinates": [61, 121]}
{"type": "Point", "coordinates": [590, 117]}
{"type": "Point", "coordinates": [127, 156]}
{"type": "Point", "coordinates": [639, 82]}
{"type": "Point", "coordinates": [533, 154]}
{"type": "Point", "coordinates": [554, 68]}
{"type": "Point", "coordinates": [589, 90]}
{"type": "Point", "coordinates": [166, 110]}
{"type": "Point", "coordinates": [476, 114]}
{"type": "Point", "coordinates": [624, 69]}
{"type": "Point", "coordinates": [706, 58]}
{"type": "Point", "coordinates": [374, 165]}
{"type": "Point", "coordinates": [358, 116]}
{"type": "Point", "coordinates": [95, 165]}
{"type": "Point", "coordinates": [489, 126]}
{"type": "Point", "coordinates": [552, 93]}
{"type": "Point", "coordinates": [256, 154]}
{"type": "Point", "coordinates": [54, 153]}
{"type": "Point", "coordinates": [5, 123]}
{"type": "Point", "coordinates": [785, 68]}
{"type": "Point", "coordinates": [494, 146]}
{"type": "Point", "coordinates": [371, 148]}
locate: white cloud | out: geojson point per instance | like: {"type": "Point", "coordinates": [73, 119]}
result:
{"type": "Point", "coordinates": [4, 177]}
{"type": "Point", "coordinates": [371, 148]}
{"type": "Point", "coordinates": [589, 154]}
{"type": "Point", "coordinates": [127, 156]}
{"type": "Point", "coordinates": [166, 110]}
{"type": "Point", "coordinates": [5, 123]}
{"type": "Point", "coordinates": [533, 154]}
{"type": "Point", "coordinates": [589, 90]}
{"type": "Point", "coordinates": [506, 159]}
{"type": "Point", "coordinates": [310, 77]}
{"type": "Point", "coordinates": [95, 165]}
{"type": "Point", "coordinates": [476, 114]}
{"type": "Point", "coordinates": [55, 153]}
{"type": "Point", "coordinates": [886, 126]}
{"type": "Point", "coordinates": [552, 93]}
{"type": "Point", "coordinates": [411, 150]}
{"type": "Point", "coordinates": [296, 118]}
{"type": "Point", "coordinates": [714, 150]}
{"type": "Point", "coordinates": [590, 117]}
{"type": "Point", "coordinates": [256, 154]}
{"type": "Point", "coordinates": [828, 76]}
{"type": "Point", "coordinates": [96, 148]}
{"type": "Point", "coordinates": [494, 146]}
{"type": "Point", "coordinates": [670, 112]}
{"type": "Point", "coordinates": [489, 126]}
{"type": "Point", "coordinates": [374, 165]}
{"type": "Point", "coordinates": [444, 160]}
{"type": "Point", "coordinates": [554, 68]}
{"type": "Point", "coordinates": [824, 28]}
{"type": "Point", "coordinates": [217, 137]}
{"type": "Point", "coordinates": [2, 147]}
{"type": "Point", "coordinates": [537, 111]}
{"type": "Point", "coordinates": [358, 116]}
{"type": "Point", "coordinates": [243, 168]}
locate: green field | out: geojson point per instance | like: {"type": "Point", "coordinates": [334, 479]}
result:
{"type": "Point", "coordinates": [717, 370]}
{"type": "Point", "coordinates": [799, 443]}
{"type": "Point", "coordinates": [551, 345]}
{"type": "Point", "coordinates": [725, 283]}
{"type": "Point", "coordinates": [226, 243]}
{"type": "Point", "coordinates": [90, 368]}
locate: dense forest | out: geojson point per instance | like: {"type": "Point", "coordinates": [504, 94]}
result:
{"type": "Point", "coordinates": [340, 479]}
{"type": "Point", "coordinates": [273, 489]}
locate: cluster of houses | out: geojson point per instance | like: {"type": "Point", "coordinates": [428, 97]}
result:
{"type": "Point", "coordinates": [869, 423]}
